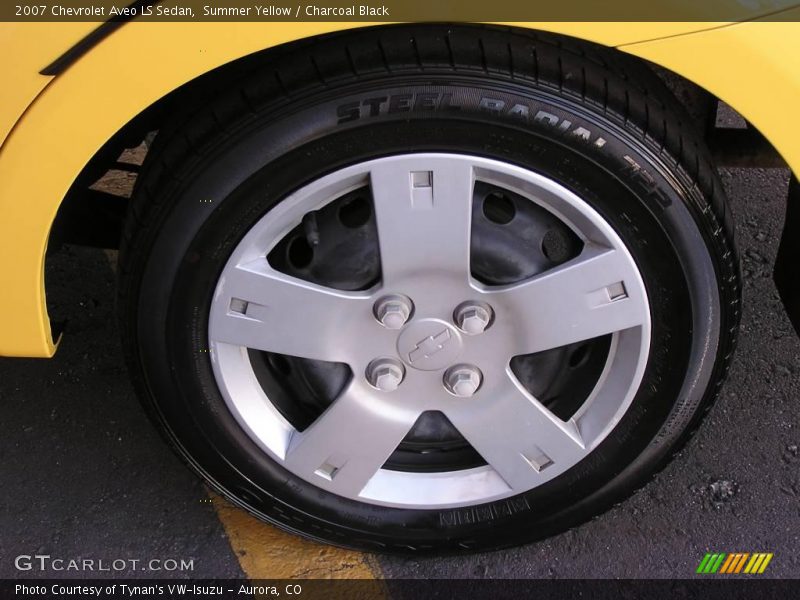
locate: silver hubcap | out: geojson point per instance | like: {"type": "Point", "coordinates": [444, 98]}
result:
{"type": "Point", "coordinates": [429, 337]}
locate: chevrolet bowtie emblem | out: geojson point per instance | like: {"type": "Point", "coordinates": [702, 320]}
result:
{"type": "Point", "coordinates": [429, 346]}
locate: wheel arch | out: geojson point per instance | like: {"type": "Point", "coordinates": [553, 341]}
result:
{"type": "Point", "coordinates": [81, 126]}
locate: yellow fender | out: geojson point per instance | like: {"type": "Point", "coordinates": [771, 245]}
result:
{"type": "Point", "coordinates": [53, 126]}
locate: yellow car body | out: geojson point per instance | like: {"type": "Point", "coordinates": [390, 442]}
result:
{"type": "Point", "coordinates": [52, 125]}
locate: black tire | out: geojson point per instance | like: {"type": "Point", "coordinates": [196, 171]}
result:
{"type": "Point", "coordinates": [306, 112]}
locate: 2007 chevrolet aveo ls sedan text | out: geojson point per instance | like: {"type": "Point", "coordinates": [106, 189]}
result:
{"type": "Point", "coordinates": [415, 288]}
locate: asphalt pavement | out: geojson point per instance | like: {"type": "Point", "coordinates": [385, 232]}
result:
{"type": "Point", "coordinates": [85, 475]}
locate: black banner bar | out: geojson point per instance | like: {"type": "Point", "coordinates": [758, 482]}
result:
{"type": "Point", "coordinates": [382, 11]}
{"type": "Point", "coordinates": [703, 588]}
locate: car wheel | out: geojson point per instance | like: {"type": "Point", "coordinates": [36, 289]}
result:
{"type": "Point", "coordinates": [428, 288]}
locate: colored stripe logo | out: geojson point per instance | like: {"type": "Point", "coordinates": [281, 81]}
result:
{"type": "Point", "coordinates": [734, 563]}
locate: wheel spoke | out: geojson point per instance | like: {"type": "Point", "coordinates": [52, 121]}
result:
{"type": "Point", "coordinates": [266, 310]}
{"type": "Point", "coordinates": [597, 293]}
{"type": "Point", "coordinates": [517, 435]}
{"type": "Point", "coordinates": [349, 442]}
{"type": "Point", "coordinates": [423, 211]}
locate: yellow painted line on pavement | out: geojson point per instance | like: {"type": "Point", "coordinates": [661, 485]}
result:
{"type": "Point", "coordinates": [266, 552]}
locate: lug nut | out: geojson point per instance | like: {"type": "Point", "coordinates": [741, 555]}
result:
{"type": "Point", "coordinates": [473, 317]}
{"type": "Point", "coordinates": [463, 380]}
{"type": "Point", "coordinates": [393, 311]}
{"type": "Point", "coordinates": [385, 374]}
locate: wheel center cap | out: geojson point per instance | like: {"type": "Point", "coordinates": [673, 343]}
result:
{"type": "Point", "coordinates": [429, 344]}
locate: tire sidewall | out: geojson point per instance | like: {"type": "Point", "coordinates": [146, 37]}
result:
{"type": "Point", "coordinates": [235, 180]}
